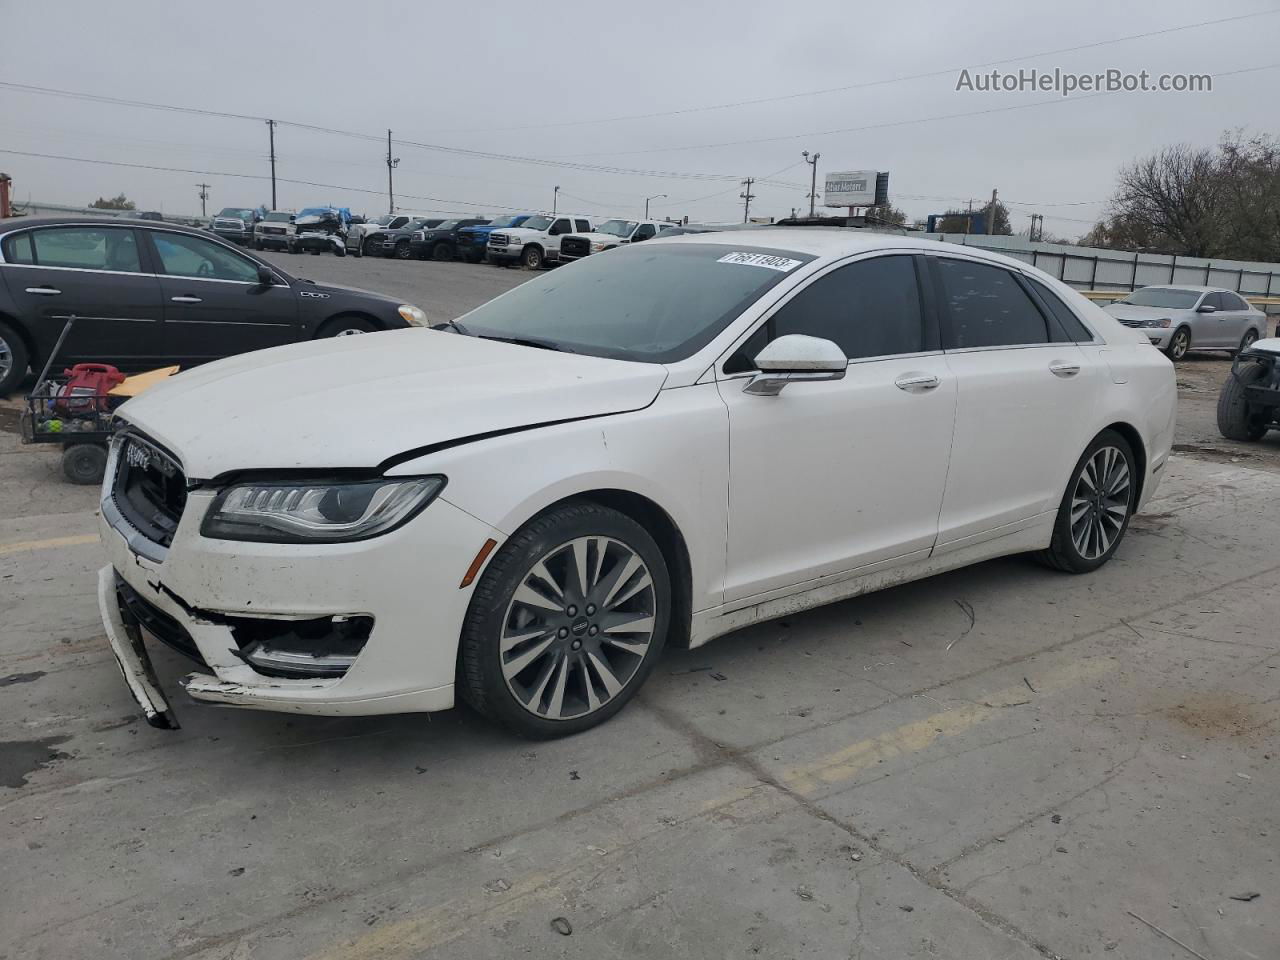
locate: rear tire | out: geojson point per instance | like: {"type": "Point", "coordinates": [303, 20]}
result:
{"type": "Point", "coordinates": [1236, 419]}
{"type": "Point", "coordinates": [1179, 344]}
{"type": "Point", "coordinates": [13, 359]}
{"type": "Point", "coordinates": [580, 666]}
{"type": "Point", "coordinates": [1095, 510]}
{"type": "Point", "coordinates": [84, 463]}
{"type": "Point", "coordinates": [1248, 340]}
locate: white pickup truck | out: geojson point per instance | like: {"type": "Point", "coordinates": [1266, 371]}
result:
{"type": "Point", "coordinates": [536, 241]}
{"type": "Point", "coordinates": [610, 234]}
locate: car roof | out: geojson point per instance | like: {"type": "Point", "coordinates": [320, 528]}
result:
{"type": "Point", "coordinates": [1189, 287]}
{"type": "Point", "coordinates": [834, 242]}
{"type": "Point", "coordinates": [17, 223]}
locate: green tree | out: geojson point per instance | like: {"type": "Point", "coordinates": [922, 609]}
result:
{"type": "Point", "coordinates": [887, 214]}
{"type": "Point", "coordinates": [119, 202]}
{"type": "Point", "coordinates": [957, 221]}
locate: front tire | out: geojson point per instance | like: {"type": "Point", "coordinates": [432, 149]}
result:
{"type": "Point", "coordinates": [531, 258]}
{"type": "Point", "coordinates": [345, 327]}
{"type": "Point", "coordinates": [442, 251]}
{"type": "Point", "coordinates": [13, 359]}
{"type": "Point", "coordinates": [1095, 510]}
{"type": "Point", "coordinates": [566, 622]}
{"type": "Point", "coordinates": [1236, 420]}
{"type": "Point", "coordinates": [370, 247]}
{"type": "Point", "coordinates": [403, 251]}
{"type": "Point", "coordinates": [1179, 344]}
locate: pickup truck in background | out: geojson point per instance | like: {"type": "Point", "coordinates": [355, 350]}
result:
{"type": "Point", "coordinates": [358, 236]}
{"type": "Point", "coordinates": [536, 241]}
{"type": "Point", "coordinates": [235, 224]}
{"type": "Point", "coordinates": [441, 241]}
{"type": "Point", "coordinates": [472, 242]}
{"type": "Point", "coordinates": [273, 231]}
{"type": "Point", "coordinates": [610, 234]}
{"type": "Point", "coordinates": [394, 241]}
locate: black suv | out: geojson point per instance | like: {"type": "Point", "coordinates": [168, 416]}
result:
{"type": "Point", "coordinates": [395, 242]}
{"type": "Point", "coordinates": [440, 242]}
{"type": "Point", "coordinates": [147, 295]}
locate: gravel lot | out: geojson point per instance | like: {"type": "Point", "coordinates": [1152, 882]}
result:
{"type": "Point", "coordinates": [1000, 762]}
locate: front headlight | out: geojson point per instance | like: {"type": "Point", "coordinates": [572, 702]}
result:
{"type": "Point", "coordinates": [597, 246]}
{"type": "Point", "coordinates": [1162, 322]}
{"type": "Point", "coordinates": [326, 511]}
{"type": "Point", "coordinates": [413, 316]}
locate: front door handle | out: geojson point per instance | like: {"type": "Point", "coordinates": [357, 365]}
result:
{"type": "Point", "coordinates": [186, 300]}
{"type": "Point", "coordinates": [916, 382]}
{"type": "Point", "coordinates": [1064, 370]}
{"type": "Point", "coordinates": [44, 291]}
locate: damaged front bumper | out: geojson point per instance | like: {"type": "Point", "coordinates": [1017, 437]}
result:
{"type": "Point", "coordinates": [376, 621]}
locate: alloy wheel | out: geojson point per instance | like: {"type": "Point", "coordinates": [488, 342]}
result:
{"type": "Point", "coordinates": [6, 359]}
{"type": "Point", "coordinates": [577, 628]}
{"type": "Point", "coordinates": [1250, 338]}
{"type": "Point", "coordinates": [1179, 345]}
{"type": "Point", "coordinates": [349, 332]}
{"type": "Point", "coordinates": [1100, 502]}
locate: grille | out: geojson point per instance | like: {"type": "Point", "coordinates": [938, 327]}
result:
{"type": "Point", "coordinates": [1130, 323]}
{"type": "Point", "coordinates": [575, 246]}
{"type": "Point", "coordinates": [149, 488]}
{"type": "Point", "coordinates": [498, 239]}
{"type": "Point", "coordinates": [228, 224]}
{"type": "Point", "coordinates": [275, 230]}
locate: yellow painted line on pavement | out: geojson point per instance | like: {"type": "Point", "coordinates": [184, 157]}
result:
{"type": "Point", "coordinates": [845, 764]}
{"type": "Point", "coordinates": [52, 543]}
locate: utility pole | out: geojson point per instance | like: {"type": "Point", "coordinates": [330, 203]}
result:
{"type": "Point", "coordinates": [646, 203]}
{"type": "Point", "coordinates": [204, 195]}
{"type": "Point", "coordinates": [813, 179]}
{"type": "Point", "coordinates": [1037, 227]}
{"type": "Point", "coordinates": [555, 200]}
{"type": "Point", "coordinates": [392, 163]}
{"type": "Point", "coordinates": [271, 132]}
{"type": "Point", "coordinates": [991, 219]}
{"type": "Point", "coordinates": [747, 196]}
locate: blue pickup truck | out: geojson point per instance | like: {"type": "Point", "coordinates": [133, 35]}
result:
{"type": "Point", "coordinates": [473, 240]}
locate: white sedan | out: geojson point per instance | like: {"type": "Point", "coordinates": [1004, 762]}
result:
{"type": "Point", "coordinates": [646, 449]}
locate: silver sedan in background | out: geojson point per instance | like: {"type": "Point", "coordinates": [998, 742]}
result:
{"type": "Point", "coordinates": [1178, 319]}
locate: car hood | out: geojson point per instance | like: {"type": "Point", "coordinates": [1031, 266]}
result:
{"type": "Point", "coordinates": [602, 237]}
{"type": "Point", "coordinates": [315, 286]}
{"type": "Point", "coordinates": [1129, 311]}
{"type": "Point", "coordinates": [354, 402]}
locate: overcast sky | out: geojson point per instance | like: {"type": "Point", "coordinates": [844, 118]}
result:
{"type": "Point", "coordinates": [515, 80]}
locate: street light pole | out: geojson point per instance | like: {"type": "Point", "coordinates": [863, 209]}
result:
{"type": "Point", "coordinates": [646, 202]}
{"type": "Point", "coordinates": [555, 201]}
{"type": "Point", "coordinates": [813, 180]}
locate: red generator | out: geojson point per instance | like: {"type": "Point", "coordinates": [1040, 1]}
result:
{"type": "Point", "coordinates": [86, 388]}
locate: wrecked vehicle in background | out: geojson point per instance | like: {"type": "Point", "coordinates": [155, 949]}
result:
{"type": "Point", "coordinates": [321, 229]}
{"type": "Point", "coordinates": [1249, 404]}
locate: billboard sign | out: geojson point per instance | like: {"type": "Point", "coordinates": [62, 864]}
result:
{"type": "Point", "coordinates": [850, 188]}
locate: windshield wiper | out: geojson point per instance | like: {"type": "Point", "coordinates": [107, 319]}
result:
{"type": "Point", "coordinates": [453, 325]}
{"type": "Point", "coordinates": [529, 342]}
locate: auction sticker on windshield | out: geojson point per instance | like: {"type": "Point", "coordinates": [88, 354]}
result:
{"type": "Point", "coordinates": [767, 260]}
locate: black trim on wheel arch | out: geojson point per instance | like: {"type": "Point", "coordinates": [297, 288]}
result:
{"type": "Point", "coordinates": [1063, 552]}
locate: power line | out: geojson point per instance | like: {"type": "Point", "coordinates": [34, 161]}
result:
{"type": "Point", "coordinates": [861, 85]}
{"type": "Point", "coordinates": [900, 123]}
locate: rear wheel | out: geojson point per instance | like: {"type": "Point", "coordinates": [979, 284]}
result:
{"type": "Point", "coordinates": [1248, 340]}
{"type": "Point", "coordinates": [531, 258]}
{"type": "Point", "coordinates": [84, 463]}
{"type": "Point", "coordinates": [1180, 343]}
{"type": "Point", "coordinates": [1095, 510]}
{"type": "Point", "coordinates": [566, 622]}
{"type": "Point", "coordinates": [13, 359]}
{"type": "Point", "coordinates": [345, 327]}
{"type": "Point", "coordinates": [1237, 419]}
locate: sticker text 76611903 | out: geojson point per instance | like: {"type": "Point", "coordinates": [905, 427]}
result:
{"type": "Point", "coordinates": [767, 260]}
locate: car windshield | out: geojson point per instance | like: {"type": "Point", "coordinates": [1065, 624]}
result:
{"type": "Point", "coordinates": [537, 223]}
{"type": "Point", "coordinates": [504, 222]}
{"type": "Point", "coordinates": [617, 228]}
{"type": "Point", "coordinates": [382, 221]}
{"type": "Point", "coordinates": [446, 225]}
{"type": "Point", "coordinates": [279, 217]}
{"type": "Point", "coordinates": [1163, 297]}
{"type": "Point", "coordinates": [655, 303]}
{"type": "Point", "coordinates": [240, 213]}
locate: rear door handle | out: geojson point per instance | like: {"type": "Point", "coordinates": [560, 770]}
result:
{"type": "Point", "coordinates": [186, 300]}
{"type": "Point", "coordinates": [44, 291]}
{"type": "Point", "coordinates": [1064, 370]}
{"type": "Point", "coordinates": [916, 382]}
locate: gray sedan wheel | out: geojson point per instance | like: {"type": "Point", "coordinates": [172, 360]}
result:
{"type": "Point", "coordinates": [1180, 343]}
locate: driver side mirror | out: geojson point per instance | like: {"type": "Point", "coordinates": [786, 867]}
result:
{"type": "Point", "coordinates": [795, 357]}
{"type": "Point", "coordinates": [1206, 308]}
{"type": "Point", "coordinates": [265, 276]}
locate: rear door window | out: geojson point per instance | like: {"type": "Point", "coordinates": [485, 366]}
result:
{"type": "Point", "coordinates": [87, 248]}
{"type": "Point", "coordinates": [185, 256]}
{"type": "Point", "coordinates": [1070, 324]}
{"type": "Point", "coordinates": [987, 307]}
{"type": "Point", "coordinates": [1231, 302]}
{"type": "Point", "coordinates": [582, 226]}
{"type": "Point", "coordinates": [17, 249]}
